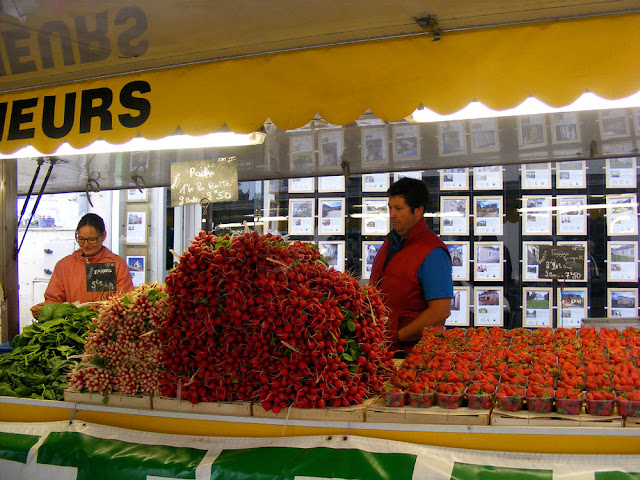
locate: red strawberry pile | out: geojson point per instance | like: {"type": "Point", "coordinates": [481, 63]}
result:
{"type": "Point", "coordinates": [567, 365]}
{"type": "Point", "coordinates": [255, 318]}
{"type": "Point", "coordinates": [123, 353]}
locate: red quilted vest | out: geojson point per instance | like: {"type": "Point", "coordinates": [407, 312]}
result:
{"type": "Point", "coordinates": [398, 283]}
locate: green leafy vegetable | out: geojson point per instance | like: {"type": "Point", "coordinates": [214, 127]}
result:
{"type": "Point", "coordinates": [40, 362]}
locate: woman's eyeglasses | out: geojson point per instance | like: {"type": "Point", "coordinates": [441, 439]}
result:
{"type": "Point", "coordinates": [90, 241]}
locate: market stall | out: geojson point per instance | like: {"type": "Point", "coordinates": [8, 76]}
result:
{"type": "Point", "coordinates": [433, 74]}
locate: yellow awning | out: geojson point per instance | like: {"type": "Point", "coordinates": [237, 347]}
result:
{"type": "Point", "coordinates": [553, 61]}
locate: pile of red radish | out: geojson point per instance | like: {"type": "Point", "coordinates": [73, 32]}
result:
{"type": "Point", "coordinates": [123, 353]}
{"type": "Point", "coordinates": [256, 318]}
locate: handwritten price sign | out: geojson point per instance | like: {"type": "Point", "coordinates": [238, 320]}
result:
{"type": "Point", "coordinates": [562, 262]}
{"type": "Point", "coordinates": [211, 180]}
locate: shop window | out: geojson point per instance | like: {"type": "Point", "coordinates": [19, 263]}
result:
{"type": "Point", "coordinates": [500, 191]}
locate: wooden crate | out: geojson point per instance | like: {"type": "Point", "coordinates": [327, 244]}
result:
{"type": "Point", "coordinates": [377, 412]}
{"type": "Point", "coordinates": [552, 419]}
{"type": "Point", "coordinates": [632, 422]}
{"type": "Point", "coordinates": [354, 413]}
{"type": "Point", "coordinates": [237, 409]}
{"type": "Point", "coordinates": [112, 400]}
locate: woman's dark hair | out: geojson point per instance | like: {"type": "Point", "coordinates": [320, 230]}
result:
{"type": "Point", "coordinates": [412, 190]}
{"type": "Point", "coordinates": [92, 220]}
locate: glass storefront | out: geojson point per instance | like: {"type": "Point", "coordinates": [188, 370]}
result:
{"type": "Point", "coordinates": [509, 195]}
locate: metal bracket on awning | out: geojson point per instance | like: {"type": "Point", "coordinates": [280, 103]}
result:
{"type": "Point", "coordinates": [139, 181]}
{"type": "Point", "coordinates": [94, 186]}
{"type": "Point", "coordinates": [430, 24]}
{"type": "Point", "coordinates": [92, 180]}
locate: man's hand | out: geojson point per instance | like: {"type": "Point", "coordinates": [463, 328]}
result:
{"type": "Point", "coordinates": [437, 312]}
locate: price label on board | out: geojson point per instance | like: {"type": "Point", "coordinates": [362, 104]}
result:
{"type": "Point", "coordinates": [214, 180]}
{"type": "Point", "coordinates": [562, 262]}
{"type": "Point", "coordinates": [101, 277]}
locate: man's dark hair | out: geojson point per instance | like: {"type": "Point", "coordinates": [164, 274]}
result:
{"type": "Point", "coordinates": [92, 220]}
{"type": "Point", "coordinates": [412, 190]}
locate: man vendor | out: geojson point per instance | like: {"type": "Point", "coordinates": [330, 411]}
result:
{"type": "Point", "coordinates": [105, 271]}
{"type": "Point", "coordinates": [412, 269]}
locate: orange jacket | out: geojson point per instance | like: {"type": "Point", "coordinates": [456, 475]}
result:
{"type": "Point", "coordinates": [69, 281]}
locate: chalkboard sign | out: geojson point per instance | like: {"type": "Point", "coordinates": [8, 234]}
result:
{"type": "Point", "coordinates": [561, 262]}
{"type": "Point", "coordinates": [214, 180]}
{"type": "Point", "coordinates": [101, 277]}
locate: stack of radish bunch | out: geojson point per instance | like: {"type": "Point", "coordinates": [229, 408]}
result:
{"type": "Point", "coordinates": [123, 353]}
{"type": "Point", "coordinates": [256, 318]}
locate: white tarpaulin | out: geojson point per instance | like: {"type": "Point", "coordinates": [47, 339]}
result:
{"type": "Point", "coordinates": [77, 450]}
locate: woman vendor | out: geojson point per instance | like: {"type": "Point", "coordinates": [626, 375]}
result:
{"type": "Point", "coordinates": [90, 274]}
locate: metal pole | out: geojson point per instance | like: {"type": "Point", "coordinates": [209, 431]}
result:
{"type": "Point", "coordinates": [10, 311]}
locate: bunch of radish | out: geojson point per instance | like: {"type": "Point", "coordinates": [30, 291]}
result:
{"type": "Point", "coordinates": [123, 353]}
{"type": "Point", "coordinates": [255, 318]}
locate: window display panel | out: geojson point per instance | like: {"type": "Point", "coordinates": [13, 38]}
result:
{"type": "Point", "coordinates": [531, 261]}
{"type": "Point", "coordinates": [572, 307]}
{"type": "Point", "coordinates": [537, 307]}
{"type": "Point", "coordinates": [459, 308]}
{"type": "Point", "coordinates": [374, 147]}
{"type": "Point", "coordinates": [459, 253]}
{"type": "Point", "coordinates": [271, 218]}
{"type": "Point", "coordinates": [622, 214]}
{"type": "Point", "coordinates": [487, 178]}
{"type": "Point", "coordinates": [330, 148]}
{"type": "Point", "coordinates": [451, 138]}
{"type": "Point", "coordinates": [622, 261]}
{"type": "Point", "coordinates": [331, 184]}
{"type": "Point", "coordinates": [137, 225]}
{"type": "Point", "coordinates": [622, 302]}
{"type": "Point", "coordinates": [571, 218]}
{"type": "Point", "coordinates": [333, 253]}
{"type": "Point", "coordinates": [613, 123]}
{"type": "Point", "coordinates": [302, 185]}
{"type": "Point", "coordinates": [489, 307]}
{"type": "Point", "coordinates": [536, 176]}
{"type": "Point", "coordinates": [137, 264]}
{"type": "Point", "coordinates": [302, 216]}
{"type": "Point", "coordinates": [571, 174]}
{"type": "Point", "coordinates": [454, 179]}
{"type": "Point", "coordinates": [301, 148]}
{"type": "Point", "coordinates": [484, 135]}
{"type": "Point", "coordinates": [621, 173]}
{"type": "Point", "coordinates": [375, 216]}
{"type": "Point", "coordinates": [487, 215]}
{"type": "Point", "coordinates": [532, 132]}
{"type": "Point", "coordinates": [417, 174]}
{"type": "Point", "coordinates": [565, 128]}
{"type": "Point", "coordinates": [331, 216]}
{"type": "Point", "coordinates": [406, 143]}
{"type": "Point", "coordinates": [375, 182]}
{"type": "Point", "coordinates": [454, 213]}
{"type": "Point", "coordinates": [488, 261]}
{"type": "Point", "coordinates": [636, 120]}
{"type": "Point", "coordinates": [369, 252]}
{"type": "Point", "coordinates": [536, 215]}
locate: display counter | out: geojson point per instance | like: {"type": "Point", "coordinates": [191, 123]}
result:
{"type": "Point", "coordinates": [568, 437]}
